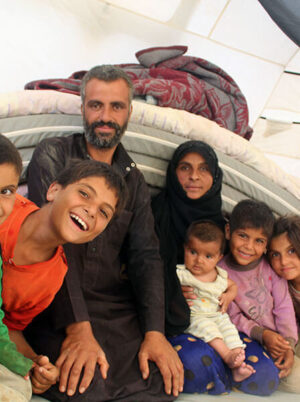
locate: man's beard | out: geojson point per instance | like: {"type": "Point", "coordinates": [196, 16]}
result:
{"type": "Point", "coordinates": [103, 140]}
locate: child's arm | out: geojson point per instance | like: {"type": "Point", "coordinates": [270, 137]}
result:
{"type": "Point", "coordinates": [228, 296]}
{"type": "Point", "coordinates": [44, 373]}
{"type": "Point", "coordinates": [23, 347]}
{"type": "Point", "coordinates": [283, 310]}
{"type": "Point", "coordinates": [241, 321]}
{"type": "Point", "coordinates": [10, 357]}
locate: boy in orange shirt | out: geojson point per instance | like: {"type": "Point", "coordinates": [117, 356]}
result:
{"type": "Point", "coordinates": [81, 203]}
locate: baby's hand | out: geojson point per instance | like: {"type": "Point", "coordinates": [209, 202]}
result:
{"type": "Point", "coordinates": [44, 374]}
{"type": "Point", "coordinates": [275, 343]}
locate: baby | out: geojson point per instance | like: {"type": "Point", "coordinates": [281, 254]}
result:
{"type": "Point", "coordinates": [204, 247]}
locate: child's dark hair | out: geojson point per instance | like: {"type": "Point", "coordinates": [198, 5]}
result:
{"type": "Point", "coordinates": [252, 214]}
{"type": "Point", "coordinates": [78, 169]}
{"type": "Point", "coordinates": [9, 154]}
{"type": "Point", "coordinates": [206, 231]}
{"type": "Point", "coordinates": [291, 226]}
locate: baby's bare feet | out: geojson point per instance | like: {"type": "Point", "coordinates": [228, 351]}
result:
{"type": "Point", "coordinates": [241, 373]}
{"type": "Point", "coordinates": [235, 357]}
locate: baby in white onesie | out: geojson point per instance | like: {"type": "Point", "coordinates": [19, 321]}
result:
{"type": "Point", "coordinates": [214, 290]}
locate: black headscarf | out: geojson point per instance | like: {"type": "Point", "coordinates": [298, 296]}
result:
{"type": "Point", "coordinates": [173, 212]}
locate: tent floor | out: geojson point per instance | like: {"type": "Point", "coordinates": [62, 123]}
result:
{"type": "Point", "coordinates": [278, 396]}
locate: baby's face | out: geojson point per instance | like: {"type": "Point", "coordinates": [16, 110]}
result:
{"type": "Point", "coordinates": [200, 258]}
{"type": "Point", "coordinates": [283, 257]}
{"type": "Point", "coordinates": [8, 187]}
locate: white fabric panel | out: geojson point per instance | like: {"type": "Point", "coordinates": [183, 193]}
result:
{"type": "Point", "coordinates": [161, 10]}
{"type": "Point", "coordinates": [253, 31]}
{"type": "Point", "coordinates": [278, 138]}
{"type": "Point", "coordinates": [286, 95]}
{"type": "Point", "coordinates": [294, 63]}
{"type": "Point", "coordinates": [205, 15]}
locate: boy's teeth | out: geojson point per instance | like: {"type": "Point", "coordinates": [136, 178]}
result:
{"type": "Point", "coordinates": [80, 221]}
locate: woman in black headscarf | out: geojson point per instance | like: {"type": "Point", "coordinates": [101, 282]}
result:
{"type": "Point", "coordinates": [192, 192]}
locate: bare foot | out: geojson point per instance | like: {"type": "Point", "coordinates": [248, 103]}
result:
{"type": "Point", "coordinates": [235, 357]}
{"type": "Point", "coordinates": [241, 373]}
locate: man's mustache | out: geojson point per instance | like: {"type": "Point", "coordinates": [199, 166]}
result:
{"type": "Point", "coordinates": [102, 123]}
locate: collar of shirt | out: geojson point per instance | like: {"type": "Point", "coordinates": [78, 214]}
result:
{"type": "Point", "coordinates": [121, 160]}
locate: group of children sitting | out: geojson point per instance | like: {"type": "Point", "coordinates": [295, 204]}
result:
{"type": "Point", "coordinates": [257, 282]}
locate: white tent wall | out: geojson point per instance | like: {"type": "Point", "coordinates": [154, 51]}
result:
{"type": "Point", "coordinates": [54, 38]}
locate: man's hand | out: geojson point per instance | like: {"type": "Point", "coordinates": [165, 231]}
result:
{"type": "Point", "coordinates": [285, 363]}
{"type": "Point", "coordinates": [80, 351]}
{"type": "Point", "coordinates": [275, 343]}
{"type": "Point", "coordinates": [43, 375]}
{"type": "Point", "coordinates": [189, 295]}
{"type": "Point", "coordinates": [156, 348]}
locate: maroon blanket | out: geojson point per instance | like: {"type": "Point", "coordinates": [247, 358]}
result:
{"type": "Point", "coordinates": [181, 82]}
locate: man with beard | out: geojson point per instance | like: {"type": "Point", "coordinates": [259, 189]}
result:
{"type": "Point", "coordinates": [110, 309]}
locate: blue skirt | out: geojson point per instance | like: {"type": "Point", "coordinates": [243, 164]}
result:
{"type": "Point", "coordinates": [205, 371]}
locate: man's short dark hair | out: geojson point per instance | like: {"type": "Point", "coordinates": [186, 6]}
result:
{"type": "Point", "coordinates": [9, 154]}
{"type": "Point", "coordinates": [290, 225]}
{"type": "Point", "coordinates": [78, 169]}
{"type": "Point", "coordinates": [206, 231]}
{"type": "Point", "coordinates": [107, 73]}
{"type": "Point", "coordinates": [252, 214]}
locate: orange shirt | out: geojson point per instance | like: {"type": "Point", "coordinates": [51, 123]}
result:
{"type": "Point", "coordinates": [27, 289]}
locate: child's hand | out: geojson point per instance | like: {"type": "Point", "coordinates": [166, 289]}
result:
{"type": "Point", "coordinates": [227, 297]}
{"type": "Point", "coordinates": [188, 293]}
{"type": "Point", "coordinates": [44, 374]}
{"type": "Point", "coordinates": [285, 363]}
{"type": "Point", "coordinates": [225, 300]}
{"type": "Point", "coordinates": [275, 343]}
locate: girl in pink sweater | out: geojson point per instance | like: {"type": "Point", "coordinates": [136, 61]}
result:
{"type": "Point", "coordinates": [284, 256]}
{"type": "Point", "coordinates": [263, 308]}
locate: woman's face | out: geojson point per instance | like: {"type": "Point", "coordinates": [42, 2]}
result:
{"type": "Point", "coordinates": [193, 175]}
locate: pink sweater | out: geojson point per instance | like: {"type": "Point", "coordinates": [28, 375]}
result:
{"type": "Point", "coordinates": [263, 301]}
{"type": "Point", "coordinates": [295, 294]}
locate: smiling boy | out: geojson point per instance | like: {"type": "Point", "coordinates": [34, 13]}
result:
{"type": "Point", "coordinates": [81, 203]}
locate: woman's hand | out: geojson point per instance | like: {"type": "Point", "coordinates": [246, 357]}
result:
{"type": "Point", "coordinates": [188, 293]}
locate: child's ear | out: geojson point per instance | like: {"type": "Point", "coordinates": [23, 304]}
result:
{"type": "Point", "coordinates": [220, 258]}
{"type": "Point", "coordinates": [227, 231]}
{"type": "Point", "coordinates": [52, 191]}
